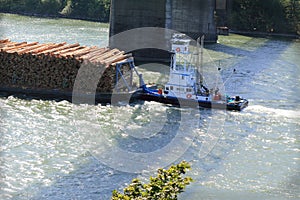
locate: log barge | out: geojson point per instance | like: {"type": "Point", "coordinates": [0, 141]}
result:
{"type": "Point", "coordinates": [49, 71]}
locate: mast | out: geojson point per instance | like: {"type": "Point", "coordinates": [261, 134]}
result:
{"type": "Point", "coordinates": [200, 64]}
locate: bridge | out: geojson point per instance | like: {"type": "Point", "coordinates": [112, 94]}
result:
{"type": "Point", "coordinates": [192, 17]}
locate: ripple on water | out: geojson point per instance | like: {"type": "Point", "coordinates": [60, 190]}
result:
{"type": "Point", "coordinates": [38, 142]}
{"type": "Point", "coordinates": [43, 153]}
{"type": "Point", "coordinates": [42, 149]}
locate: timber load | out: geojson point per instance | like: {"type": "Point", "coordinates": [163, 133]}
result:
{"type": "Point", "coordinates": [54, 66]}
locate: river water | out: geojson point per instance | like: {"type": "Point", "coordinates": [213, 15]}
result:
{"type": "Point", "coordinates": [57, 150]}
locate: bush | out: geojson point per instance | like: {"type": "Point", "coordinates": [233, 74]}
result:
{"type": "Point", "coordinates": [97, 10]}
{"type": "Point", "coordinates": [165, 186]}
{"type": "Point", "coordinates": [281, 16]}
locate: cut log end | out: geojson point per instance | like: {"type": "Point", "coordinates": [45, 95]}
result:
{"type": "Point", "coordinates": [55, 66]}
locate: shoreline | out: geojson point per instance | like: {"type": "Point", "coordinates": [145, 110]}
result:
{"type": "Point", "coordinates": [265, 34]}
{"type": "Point", "coordinates": [249, 33]}
{"type": "Point", "coordinates": [58, 16]}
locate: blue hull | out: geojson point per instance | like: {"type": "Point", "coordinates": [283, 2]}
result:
{"type": "Point", "coordinates": [147, 95]}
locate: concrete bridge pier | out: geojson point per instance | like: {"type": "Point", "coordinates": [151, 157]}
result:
{"type": "Point", "coordinates": [192, 17]}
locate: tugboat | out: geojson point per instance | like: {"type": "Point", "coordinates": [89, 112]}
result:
{"type": "Point", "coordinates": [186, 83]}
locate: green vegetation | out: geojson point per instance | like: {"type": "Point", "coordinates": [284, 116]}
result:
{"type": "Point", "coordinates": [97, 10]}
{"type": "Point", "coordinates": [166, 186]}
{"type": "Point", "coordinates": [278, 16]}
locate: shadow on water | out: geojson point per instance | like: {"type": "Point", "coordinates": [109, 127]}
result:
{"type": "Point", "coordinates": [245, 65]}
{"type": "Point", "coordinates": [151, 143]}
{"type": "Point", "coordinates": [91, 181]}
{"type": "Point", "coordinates": [234, 51]}
{"type": "Point", "coordinates": [96, 181]}
{"type": "Point", "coordinates": [256, 59]}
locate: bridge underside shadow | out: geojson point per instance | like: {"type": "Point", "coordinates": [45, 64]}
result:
{"type": "Point", "coordinates": [193, 18]}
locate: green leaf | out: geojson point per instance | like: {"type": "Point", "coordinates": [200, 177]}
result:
{"type": "Point", "coordinates": [165, 186]}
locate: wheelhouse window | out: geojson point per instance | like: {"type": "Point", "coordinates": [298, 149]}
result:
{"type": "Point", "coordinates": [180, 89]}
{"type": "Point", "coordinates": [179, 67]}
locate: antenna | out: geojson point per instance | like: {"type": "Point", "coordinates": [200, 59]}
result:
{"type": "Point", "coordinates": [200, 41]}
{"type": "Point", "coordinates": [234, 70]}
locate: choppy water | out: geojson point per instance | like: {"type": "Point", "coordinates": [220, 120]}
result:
{"type": "Point", "coordinates": [49, 149]}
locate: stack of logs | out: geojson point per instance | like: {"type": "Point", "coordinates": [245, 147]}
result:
{"type": "Point", "coordinates": [55, 66]}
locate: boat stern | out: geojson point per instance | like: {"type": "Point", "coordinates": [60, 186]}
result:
{"type": "Point", "coordinates": [237, 103]}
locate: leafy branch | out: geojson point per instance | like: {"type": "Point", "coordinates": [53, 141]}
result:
{"type": "Point", "coordinates": [165, 186]}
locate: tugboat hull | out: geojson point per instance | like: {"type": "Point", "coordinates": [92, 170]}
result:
{"type": "Point", "coordinates": [237, 106]}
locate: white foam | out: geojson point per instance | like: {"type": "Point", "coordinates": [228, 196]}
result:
{"type": "Point", "coordinates": [294, 114]}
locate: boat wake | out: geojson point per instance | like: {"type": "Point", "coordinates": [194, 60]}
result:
{"type": "Point", "coordinates": [293, 114]}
